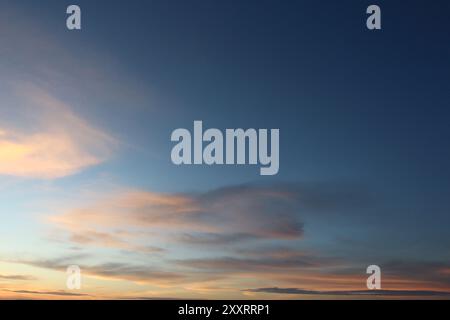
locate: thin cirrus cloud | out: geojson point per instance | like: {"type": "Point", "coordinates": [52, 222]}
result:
{"type": "Point", "coordinates": [41, 135]}
{"type": "Point", "coordinates": [50, 293]}
{"type": "Point", "coordinates": [224, 216]}
{"type": "Point", "coordinates": [16, 277]}
{"type": "Point", "coordinates": [264, 259]}
{"type": "Point", "coordinates": [47, 139]}
{"type": "Point", "coordinates": [268, 254]}
{"type": "Point", "coordinates": [362, 293]}
{"type": "Point", "coordinates": [318, 276]}
{"type": "Point", "coordinates": [137, 273]}
{"type": "Point", "coordinates": [111, 240]}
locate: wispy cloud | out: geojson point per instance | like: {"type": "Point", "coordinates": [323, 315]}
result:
{"type": "Point", "coordinates": [259, 230]}
{"type": "Point", "coordinates": [16, 277]}
{"type": "Point", "coordinates": [49, 293]}
{"type": "Point", "coordinates": [368, 293]}
{"type": "Point", "coordinates": [48, 140]}
{"type": "Point", "coordinates": [110, 270]}
{"type": "Point", "coordinates": [260, 264]}
{"type": "Point", "coordinates": [220, 216]}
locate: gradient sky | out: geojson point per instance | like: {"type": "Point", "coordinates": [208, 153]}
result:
{"type": "Point", "coordinates": [85, 170]}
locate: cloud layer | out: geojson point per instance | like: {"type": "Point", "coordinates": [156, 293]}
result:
{"type": "Point", "coordinates": [241, 213]}
{"type": "Point", "coordinates": [366, 293]}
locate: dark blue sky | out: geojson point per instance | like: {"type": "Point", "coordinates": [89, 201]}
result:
{"type": "Point", "coordinates": [352, 104]}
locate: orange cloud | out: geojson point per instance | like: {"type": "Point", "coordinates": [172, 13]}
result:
{"type": "Point", "coordinates": [216, 217]}
{"type": "Point", "coordinates": [132, 209]}
{"type": "Point", "coordinates": [53, 143]}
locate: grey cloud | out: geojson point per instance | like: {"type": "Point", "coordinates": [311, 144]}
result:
{"type": "Point", "coordinates": [221, 216]}
{"type": "Point", "coordinates": [437, 272]}
{"type": "Point", "coordinates": [255, 264]}
{"type": "Point", "coordinates": [317, 197]}
{"type": "Point", "coordinates": [18, 277]}
{"type": "Point", "coordinates": [59, 264]}
{"type": "Point", "coordinates": [215, 239]}
{"type": "Point", "coordinates": [149, 298]}
{"type": "Point", "coordinates": [113, 270]}
{"type": "Point", "coordinates": [52, 293]}
{"type": "Point", "coordinates": [133, 272]}
{"type": "Point", "coordinates": [400, 293]}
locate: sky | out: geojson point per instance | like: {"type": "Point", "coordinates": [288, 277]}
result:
{"type": "Point", "coordinates": [86, 176]}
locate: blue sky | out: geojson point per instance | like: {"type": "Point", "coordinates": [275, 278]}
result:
{"type": "Point", "coordinates": [85, 169]}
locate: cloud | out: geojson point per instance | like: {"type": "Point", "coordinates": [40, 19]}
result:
{"type": "Point", "coordinates": [262, 261]}
{"type": "Point", "coordinates": [110, 270]}
{"type": "Point", "coordinates": [18, 277]}
{"type": "Point", "coordinates": [47, 140]}
{"type": "Point", "coordinates": [248, 234]}
{"type": "Point", "coordinates": [209, 239]}
{"type": "Point", "coordinates": [110, 240]}
{"type": "Point", "coordinates": [263, 264]}
{"type": "Point", "coordinates": [436, 272]}
{"type": "Point", "coordinates": [218, 217]}
{"type": "Point", "coordinates": [245, 221]}
{"type": "Point", "coordinates": [148, 298]}
{"type": "Point", "coordinates": [58, 264]}
{"type": "Point", "coordinates": [399, 293]}
{"type": "Point", "coordinates": [50, 293]}
{"type": "Point", "coordinates": [134, 273]}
